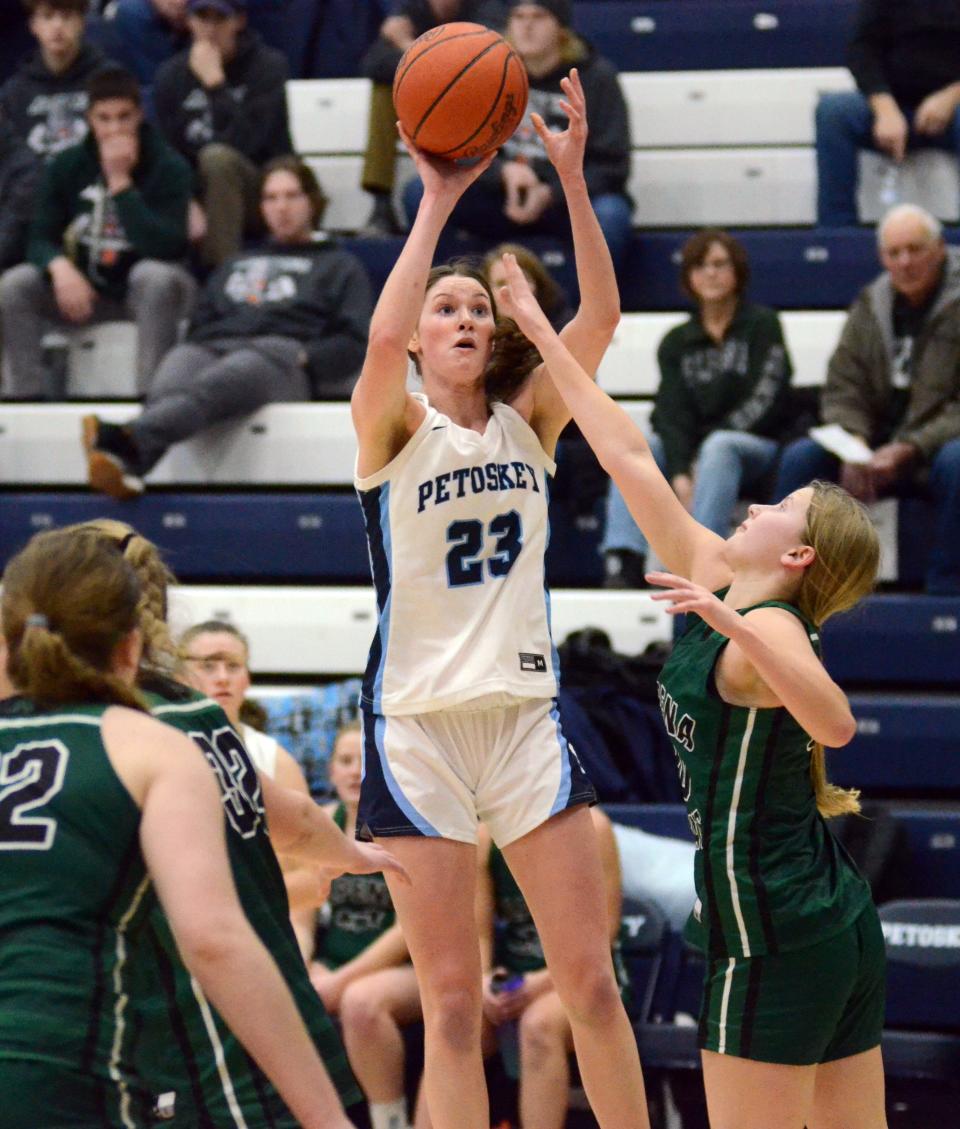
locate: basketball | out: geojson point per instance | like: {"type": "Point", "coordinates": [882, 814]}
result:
{"type": "Point", "coordinates": [460, 90]}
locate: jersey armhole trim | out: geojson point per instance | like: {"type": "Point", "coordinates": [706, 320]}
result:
{"type": "Point", "coordinates": [530, 436]}
{"type": "Point", "coordinates": [371, 481]}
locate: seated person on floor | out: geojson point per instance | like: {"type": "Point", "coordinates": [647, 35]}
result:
{"type": "Point", "coordinates": [285, 322]}
{"type": "Point", "coordinates": [361, 967]}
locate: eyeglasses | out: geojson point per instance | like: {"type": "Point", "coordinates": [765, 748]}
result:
{"type": "Point", "coordinates": [207, 665]}
{"type": "Point", "coordinates": [714, 264]}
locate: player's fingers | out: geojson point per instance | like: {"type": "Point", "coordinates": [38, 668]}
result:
{"type": "Point", "coordinates": [541, 127]}
{"type": "Point", "coordinates": [667, 579]}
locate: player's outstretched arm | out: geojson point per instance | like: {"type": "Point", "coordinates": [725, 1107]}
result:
{"type": "Point", "coordinates": [383, 414]}
{"type": "Point", "coordinates": [617, 442]}
{"type": "Point", "coordinates": [591, 330]}
{"type": "Point", "coordinates": [302, 828]}
{"type": "Point", "coordinates": [184, 845]}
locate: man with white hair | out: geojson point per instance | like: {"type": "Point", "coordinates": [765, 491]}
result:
{"type": "Point", "coordinates": [894, 381]}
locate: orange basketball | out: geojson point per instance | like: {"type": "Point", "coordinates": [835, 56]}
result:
{"type": "Point", "coordinates": [460, 90]}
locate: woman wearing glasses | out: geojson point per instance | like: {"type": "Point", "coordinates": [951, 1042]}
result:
{"type": "Point", "coordinates": [722, 402]}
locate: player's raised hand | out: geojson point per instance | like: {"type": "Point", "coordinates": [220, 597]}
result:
{"type": "Point", "coordinates": [685, 596]}
{"type": "Point", "coordinates": [440, 177]}
{"type": "Point", "coordinates": [516, 300]}
{"type": "Point", "coordinates": [566, 148]}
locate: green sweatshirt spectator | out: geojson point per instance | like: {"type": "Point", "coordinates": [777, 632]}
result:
{"type": "Point", "coordinates": [109, 226]}
{"type": "Point", "coordinates": [722, 406]}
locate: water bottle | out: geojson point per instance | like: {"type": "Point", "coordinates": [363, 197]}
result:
{"type": "Point", "coordinates": [889, 192]}
{"type": "Point", "coordinates": [507, 1033]}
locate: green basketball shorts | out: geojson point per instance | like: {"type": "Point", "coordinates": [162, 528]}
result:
{"type": "Point", "coordinates": [816, 1004]}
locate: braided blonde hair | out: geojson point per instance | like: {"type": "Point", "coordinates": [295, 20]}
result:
{"type": "Point", "coordinates": [159, 650]}
{"type": "Point", "coordinates": [844, 570]}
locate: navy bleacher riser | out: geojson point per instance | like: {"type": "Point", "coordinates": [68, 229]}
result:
{"type": "Point", "coordinates": [791, 269]}
{"type": "Point", "coordinates": [905, 745]}
{"type": "Point", "coordinates": [317, 537]}
{"type": "Point", "coordinates": [896, 639]}
{"type": "Point", "coordinates": [715, 34]}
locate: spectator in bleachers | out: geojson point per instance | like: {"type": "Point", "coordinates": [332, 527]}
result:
{"type": "Point", "coordinates": [520, 194]}
{"type": "Point", "coordinates": [361, 967]}
{"type": "Point", "coordinates": [19, 169]}
{"type": "Point", "coordinates": [215, 658]}
{"type": "Point", "coordinates": [905, 57]}
{"type": "Point", "coordinates": [722, 401]}
{"type": "Point", "coordinates": [45, 101]}
{"type": "Point", "coordinates": [894, 381]}
{"type": "Point", "coordinates": [109, 227]}
{"type": "Point", "coordinates": [14, 39]}
{"type": "Point", "coordinates": [280, 323]}
{"type": "Point", "coordinates": [408, 20]}
{"type": "Point", "coordinates": [142, 34]}
{"type": "Point", "coordinates": [222, 103]}
{"type": "Point", "coordinates": [549, 293]}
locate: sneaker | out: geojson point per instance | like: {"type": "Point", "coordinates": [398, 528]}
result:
{"type": "Point", "coordinates": [382, 221]}
{"type": "Point", "coordinates": [111, 459]}
{"type": "Point", "coordinates": [623, 568]}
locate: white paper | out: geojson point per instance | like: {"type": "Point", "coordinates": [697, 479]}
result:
{"type": "Point", "coordinates": [835, 439]}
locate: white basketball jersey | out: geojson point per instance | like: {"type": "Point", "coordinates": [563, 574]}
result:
{"type": "Point", "coordinates": [457, 530]}
{"type": "Point", "coordinates": [262, 749]}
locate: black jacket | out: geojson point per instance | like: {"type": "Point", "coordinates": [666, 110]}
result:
{"type": "Point", "coordinates": [381, 59]}
{"type": "Point", "coordinates": [315, 293]}
{"type": "Point", "coordinates": [606, 161]}
{"type": "Point", "coordinates": [19, 169]}
{"type": "Point", "coordinates": [248, 112]}
{"type": "Point", "coordinates": [47, 110]}
{"type": "Point", "coordinates": [907, 48]}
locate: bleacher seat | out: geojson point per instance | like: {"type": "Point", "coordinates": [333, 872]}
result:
{"type": "Point", "coordinates": [791, 269]}
{"type": "Point", "coordinates": [906, 744]}
{"type": "Point", "coordinates": [643, 938]}
{"type": "Point", "coordinates": [932, 866]}
{"type": "Point", "coordinates": [922, 1036]}
{"type": "Point", "coordinates": [326, 630]}
{"type": "Point", "coordinates": [645, 36]}
{"type": "Point", "coordinates": [723, 147]}
{"type": "Point", "coordinates": [896, 638]}
{"type": "Point", "coordinates": [305, 445]}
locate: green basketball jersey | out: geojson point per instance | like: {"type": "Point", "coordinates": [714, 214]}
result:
{"type": "Point", "coordinates": [360, 911]}
{"type": "Point", "coordinates": [197, 1069]}
{"type": "Point", "coordinates": [769, 874]}
{"type": "Point", "coordinates": [74, 906]}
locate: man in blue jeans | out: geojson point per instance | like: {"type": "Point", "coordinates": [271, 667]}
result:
{"type": "Point", "coordinates": [894, 381]}
{"type": "Point", "coordinates": [905, 57]}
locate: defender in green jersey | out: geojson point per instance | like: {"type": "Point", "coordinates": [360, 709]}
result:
{"type": "Point", "coordinates": [199, 1074]}
{"type": "Point", "coordinates": [793, 1002]}
{"type": "Point", "coordinates": [202, 1076]}
{"type": "Point", "coordinates": [97, 802]}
